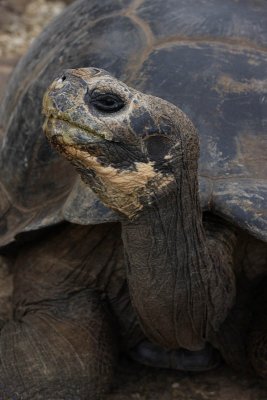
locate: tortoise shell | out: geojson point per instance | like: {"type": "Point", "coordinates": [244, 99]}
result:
{"type": "Point", "coordinates": [208, 57]}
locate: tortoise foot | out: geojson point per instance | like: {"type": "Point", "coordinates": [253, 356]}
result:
{"type": "Point", "coordinates": [181, 359]}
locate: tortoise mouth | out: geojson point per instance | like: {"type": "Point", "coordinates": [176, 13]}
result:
{"type": "Point", "coordinates": [69, 132]}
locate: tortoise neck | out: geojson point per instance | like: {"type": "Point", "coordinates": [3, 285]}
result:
{"type": "Point", "coordinates": [175, 282]}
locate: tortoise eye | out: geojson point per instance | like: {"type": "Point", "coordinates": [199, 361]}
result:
{"type": "Point", "coordinates": [107, 102]}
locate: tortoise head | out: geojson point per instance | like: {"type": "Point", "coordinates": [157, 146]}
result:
{"type": "Point", "coordinates": [128, 146]}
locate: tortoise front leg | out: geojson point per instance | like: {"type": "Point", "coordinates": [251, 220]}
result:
{"type": "Point", "coordinates": [58, 350]}
{"type": "Point", "coordinates": [60, 343]}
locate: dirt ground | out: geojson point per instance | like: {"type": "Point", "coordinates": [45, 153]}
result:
{"type": "Point", "coordinates": [20, 22]}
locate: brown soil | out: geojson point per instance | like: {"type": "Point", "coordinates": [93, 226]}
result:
{"type": "Point", "coordinates": [20, 22]}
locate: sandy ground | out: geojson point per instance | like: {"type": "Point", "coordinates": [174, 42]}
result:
{"type": "Point", "coordinates": [20, 22]}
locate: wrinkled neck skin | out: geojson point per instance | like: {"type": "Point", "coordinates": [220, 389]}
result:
{"type": "Point", "coordinates": [180, 287]}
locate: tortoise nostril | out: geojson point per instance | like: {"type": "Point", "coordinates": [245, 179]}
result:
{"type": "Point", "coordinates": [63, 78]}
{"type": "Point", "coordinates": [96, 71]}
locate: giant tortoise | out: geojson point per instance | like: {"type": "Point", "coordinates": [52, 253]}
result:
{"type": "Point", "coordinates": [188, 277]}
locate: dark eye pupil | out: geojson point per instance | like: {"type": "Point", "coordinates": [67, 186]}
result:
{"type": "Point", "coordinates": [107, 102]}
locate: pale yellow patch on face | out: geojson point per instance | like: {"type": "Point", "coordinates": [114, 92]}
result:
{"type": "Point", "coordinates": [122, 190]}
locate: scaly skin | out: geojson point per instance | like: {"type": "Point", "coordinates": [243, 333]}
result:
{"type": "Point", "coordinates": [61, 343]}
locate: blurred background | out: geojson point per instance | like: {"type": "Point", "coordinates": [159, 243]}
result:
{"type": "Point", "coordinates": [20, 22]}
